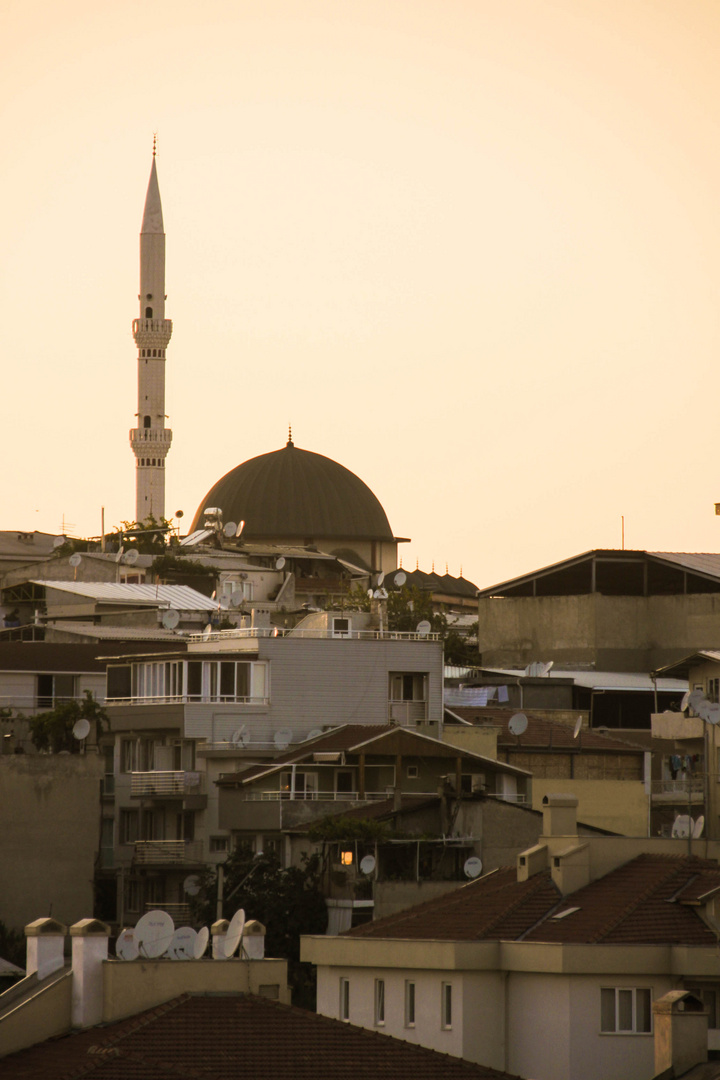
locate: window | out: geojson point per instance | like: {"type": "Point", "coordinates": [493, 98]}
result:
{"type": "Point", "coordinates": [219, 843]}
{"type": "Point", "coordinates": [407, 695]}
{"type": "Point", "coordinates": [303, 785]}
{"type": "Point", "coordinates": [379, 1002]}
{"type": "Point", "coordinates": [344, 999]}
{"type": "Point", "coordinates": [412, 772]}
{"type": "Point", "coordinates": [344, 782]}
{"type": "Point", "coordinates": [341, 627]}
{"type": "Point", "coordinates": [132, 894]}
{"type": "Point", "coordinates": [710, 997]}
{"type": "Point", "coordinates": [129, 826]}
{"type": "Point", "coordinates": [713, 690]}
{"type": "Point", "coordinates": [148, 313]}
{"type": "Point", "coordinates": [51, 689]}
{"type": "Point", "coordinates": [409, 1004]}
{"type": "Point", "coordinates": [626, 1009]}
{"type": "Point", "coordinates": [446, 1005]}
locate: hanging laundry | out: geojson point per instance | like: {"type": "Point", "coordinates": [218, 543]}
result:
{"type": "Point", "coordinates": [503, 694]}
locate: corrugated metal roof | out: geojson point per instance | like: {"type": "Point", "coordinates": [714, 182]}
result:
{"type": "Point", "coordinates": [599, 680]}
{"type": "Point", "coordinates": [702, 562]}
{"type": "Point", "coordinates": [181, 597]}
{"type": "Point", "coordinates": [111, 633]}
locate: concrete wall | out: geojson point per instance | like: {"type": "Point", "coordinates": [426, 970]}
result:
{"type": "Point", "coordinates": [50, 810]}
{"type": "Point", "coordinates": [617, 633]}
{"type": "Point", "coordinates": [46, 1015]}
{"type": "Point", "coordinates": [392, 896]}
{"type": "Point", "coordinates": [621, 806]}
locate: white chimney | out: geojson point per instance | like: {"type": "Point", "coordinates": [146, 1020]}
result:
{"type": "Point", "coordinates": [45, 947]}
{"type": "Point", "coordinates": [89, 950]}
{"type": "Point", "coordinates": [219, 931]}
{"type": "Point", "coordinates": [253, 942]}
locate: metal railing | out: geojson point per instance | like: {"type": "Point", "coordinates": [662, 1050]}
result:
{"type": "Point", "coordinates": [168, 852]}
{"type": "Point", "coordinates": [180, 912]}
{"type": "Point", "coordinates": [681, 789]}
{"type": "Point", "coordinates": [278, 631]}
{"type": "Point", "coordinates": [167, 782]}
{"type": "Point", "coordinates": [407, 713]}
{"type": "Point", "coordinates": [188, 699]}
{"type": "Point", "coordinates": [325, 796]}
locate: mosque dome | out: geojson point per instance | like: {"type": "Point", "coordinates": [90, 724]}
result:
{"type": "Point", "coordinates": [293, 494]}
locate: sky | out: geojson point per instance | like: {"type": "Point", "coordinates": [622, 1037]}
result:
{"type": "Point", "coordinates": [470, 249]}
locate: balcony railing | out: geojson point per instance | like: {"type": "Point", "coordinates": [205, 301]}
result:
{"type": "Point", "coordinates": [180, 912]}
{"type": "Point", "coordinates": [407, 713]}
{"type": "Point", "coordinates": [161, 782]}
{"type": "Point", "coordinates": [325, 796]}
{"type": "Point", "coordinates": [188, 699]}
{"type": "Point", "coordinates": [678, 790]}
{"type": "Point", "coordinates": [168, 852]}
{"type": "Point", "coordinates": [278, 631]}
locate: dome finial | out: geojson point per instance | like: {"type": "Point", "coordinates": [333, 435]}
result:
{"type": "Point", "coordinates": [290, 442]}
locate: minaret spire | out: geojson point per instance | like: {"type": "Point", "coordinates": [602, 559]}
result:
{"type": "Point", "coordinates": [150, 440]}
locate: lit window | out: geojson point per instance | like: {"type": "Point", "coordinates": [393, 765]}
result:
{"type": "Point", "coordinates": [344, 999]}
{"type": "Point", "coordinates": [446, 1005]}
{"type": "Point", "coordinates": [346, 858]}
{"type": "Point", "coordinates": [626, 1009]}
{"type": "Point", "coordinates": [409, 1004]}
{"type": "Point", "coordinates": [379, 1001]}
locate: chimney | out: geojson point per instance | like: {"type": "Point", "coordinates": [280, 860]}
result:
{"type": "Point", "coordinates": [45, 947]}
{"type": "Point", "coordinates": [681, 1033]}
{"type": "Point", "coordinates": [219, 931]}
{"type": "Point", "coordinates": [560, 817]}
{"type": "Point", "coordinates": [253, 942]}
{"type": "Point", "coordinates": [89, 950]}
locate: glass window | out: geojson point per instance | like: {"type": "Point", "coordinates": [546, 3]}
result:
{"type": "Point", "coordinates": [129, 826]}
{"type": "Point", "coordinates": [379, 1001]}
{"type": "Point", "coordinates": [344, 999]}
{"type": "Point", "coordinates": [409, 1004]}
{"type": "Point", "coordinates": [446, 1005]}
{"type": "Point", "coordinates": [626, 1009]}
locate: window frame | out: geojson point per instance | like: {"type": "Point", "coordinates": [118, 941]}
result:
{"type": "Point", "coordinates": [344, 1006]}
{"type": "Point", "coordinates": [410, 1000]}
{"type": "Point", "coordinates": [446, 1006]}
{"type": "Point", "coordinates": [617, 991]}
{"type": "Point", "coordinates": [379, 1010]}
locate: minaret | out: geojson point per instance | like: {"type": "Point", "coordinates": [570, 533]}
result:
{"type": "Point", "coordinates": [150, 440]}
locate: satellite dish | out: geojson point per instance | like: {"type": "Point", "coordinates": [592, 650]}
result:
{"type": "Point", "coordinates": [371, 593]}
{"type": "Point", "coordinates": [698, 827]}
{"type": "Point", "coordinates": [191, 885]}
{"type": "Point", "coordinates": [131, 557]}
{"type": "Point", "coordinates": [400, 578]}
{"type": "Point", "coordinates": [118, 557]}
{"type": "Point", "coordinates": [472, 867]}
{"type": "Point", "coordinates": [518, 723]}
{"type": "Point", "coordinates": [685, 701]}
{"type": "Point", "coordinates": [201, 943]}
{"type": "Point", "coordinates": [58, 541]}
{"type": "Point", "coordinates": [126, 945]}
{"type": "Point", "coordinates": [694, 698]}
{"type": "Point", "coordinates": [207, 632]}
{"type": "Point", "coordinates": [578, 727]}
{"type": "Point", "coordinates": [170, 619]}
{"type": "Point", "coordinates": [682, 827]}
{"type": "Point", "coordinates": [230, 529]}
{"type": "Point", "coordinates": [75, 559]}
{"type": "Point", "coordinates": [236, 598]}
{"type": "Point", "coordinates": [280, 562]}
{"type": "Point", "coordinates": [240, 736]}
{"type": "Point", "coordinates": [546, 668]}
{"type": "Point", "coordinates": [367, 864]}
{"type": "Point", "coordinates": [81, 729]}
{"type": "Point", "coordinates": [153, 933]}
{"type": "Point", "coordinates": [703, 709]}
{"type": "Point", "coordinates": [381, 578]}
{"type": "Point", "coordinates": [423, 628]}
{"type": "Point", "coordinates": [234, 934]}
{"type": "Point", "coordinates": [240, 528]}
{"type": "Point", "coordinates": [182, 946]}
{"type": "Point", "coordinates": [713, 714]}
{"type": "Point", "coordinates": [282, 738]}
{"type": "Point", "coordinates": [316, 731]}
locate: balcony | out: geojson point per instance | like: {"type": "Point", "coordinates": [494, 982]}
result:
{"type": "Point", "coordinates": [313, 635]}
{"type": "Point", "coordinates": [407, 713]}
{"type": "Point", "coordinates": [683, 791]}
{"type": "Point", "coordinates": [168, 852]}
{"type": "Point", "coordinates": [325, 796]}
{"type": "Point", "coordinates": [180, 913]}
{"type": "Point", "coordinates": [162, 784]}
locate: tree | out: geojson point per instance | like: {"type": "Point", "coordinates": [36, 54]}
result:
{"type": "Point", "coordinates": [53, 730]}
{"type": "Point", "coordinates": [287, 902]}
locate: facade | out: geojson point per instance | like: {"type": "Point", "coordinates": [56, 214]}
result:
{"type": "Point", "coordinates": [631, 611]}
{"type": "Point", "coordinates": [150, 439]}
{"type": "Point", "coordinates": [550, 968]}
{"type": "Point", "coordinates": [231, 698]}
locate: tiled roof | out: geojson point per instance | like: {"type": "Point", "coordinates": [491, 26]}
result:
{"type": "Point", "coordinates": [337, 740]}
{"type": "Point", "coordinates": [544, 734]}
{"type": "Point", "coordinates": [646, 901]}
{"type": "Point", "coordinates": [235, 1037]}
{"type": "Point", "coordinates": [384, 808]}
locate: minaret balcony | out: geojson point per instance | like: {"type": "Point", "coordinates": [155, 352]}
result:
{"type": "Point", "coordinates": [158, 438]}
{"type": "Point", "coordinates": [152, 332]}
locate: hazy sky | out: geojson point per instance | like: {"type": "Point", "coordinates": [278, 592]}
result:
{"type": "Point", "coordinates": [469, 248]}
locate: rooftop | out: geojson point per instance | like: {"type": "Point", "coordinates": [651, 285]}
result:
{"type": "Point", "coordinates": [544, 734]}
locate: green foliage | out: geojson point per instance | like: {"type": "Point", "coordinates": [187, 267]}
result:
{"type": "Point", "coordinates": [52, 730]}
{"type": "Point", "coordinates": [287, 902]}
{"type": "Point", "coordinates": [162, 565]}
{"type": "Point", "coordinates": [341, 828]}
{"type": "Point", "coordinates": [150, 536]}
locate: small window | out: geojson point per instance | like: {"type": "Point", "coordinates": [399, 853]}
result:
{"type": "Point", "coordinates": [409, 1004]}
{"type": "Point", "coordinates": [129, 826]}
{"type": "Point", "coordinates": [446, 1006]}
{"type": "Point", "coordinates": [344, 999]}
{"type": "Point", "coordinates": [379, 1002]}
{"type": "Point", "coordinates": [132, 895]}
{"type": "Point", "coordinates": [626, 1010]}
{"type": "Point", "coordinates": [412, 772]}
{"type": "Point", "coordinates": [341, 627]}
{"type": "Point", "coordinates": [146, 421]}
{"type": "Point", "coordinates": [148, 313]}
{"type": "Point", "coordinates": [219, 843]}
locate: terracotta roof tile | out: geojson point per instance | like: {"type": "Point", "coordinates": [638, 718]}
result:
{"type": "Point", "coordinates": [542, 733]}
{"type": "Point", "coordinates": [235, 1037]}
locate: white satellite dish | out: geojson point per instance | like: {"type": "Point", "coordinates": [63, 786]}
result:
{"type": "Point", "coordinates": [234, 933]}
{"type": "Point", "coordinates": [546, 668]}
{"type": "Point", "coordinates": [578, 727]}
{"type": "Point", "coordinates": [182, 946]}
{"type": "Point", "coordinates": [316, 731]}
{"type": "Point", "coordinates": [367, 864]}
{"type": "Point", "coordinates": [153, 933]}
{"type": "Point", "coordinates": [381, 594]}
{"type": "Point", "coordinates": [207, 632]}
{"type": "Point", "coordinates": [81, 729]}
{"type": "Point", "coordinates": [230, 529]}
{"type": "Point", "coordinates": [170, 618]}
{"type": "Point", "coordinates": [280, 562]}
{"type": "Point", "coordinates": [236, 598]}
{"type": "Point", "coordinates": [240, 528]}
{"type": "Point", "coordinates": [58, 541]}
{"type": "Point", "coordinates": [371, 594]}
{"type": "Point", "coordinates": [713, 714]}
{"type": "Point", "coordinates": [191, 885]}
{"type": "Point", "coordinates": [240, 736]}
{"type": "Point", "coordinates": [381, 578]}
{"type": "Point", "coordinates": [75, 559]}
{"type": "Point", "coordinates": [126, 945]}
{"type": "Point", "coordinates": [518, 723]}
{"type": "Point", "coordinates": [423, 628]}
{"type": "Point", "coordinates": [400, 578]}
{"type": "Point", "coordinates": [201, 943]}
{"type": "Point", "coordinates": [282, 738]}
{"type": "Point", "coordinates": [694, 698]}
{"type": "Point", "coordinates": [698, 827]}
{"type": "Point", "coordinates": [119, 555]}
{"type": "Point", "coordinates": [682, 827]}
{"type": "Point", "coordinates": [131, 557]}
{"type": "Point", "coordinates": [472, 867]}
{"type": "Point", "coordinates": [703, 709]}
{"type": "Point", "coordinates": [685, 701]}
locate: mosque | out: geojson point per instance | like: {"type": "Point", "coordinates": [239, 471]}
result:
{"type": "Point", "coordinates": [287, 497]}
